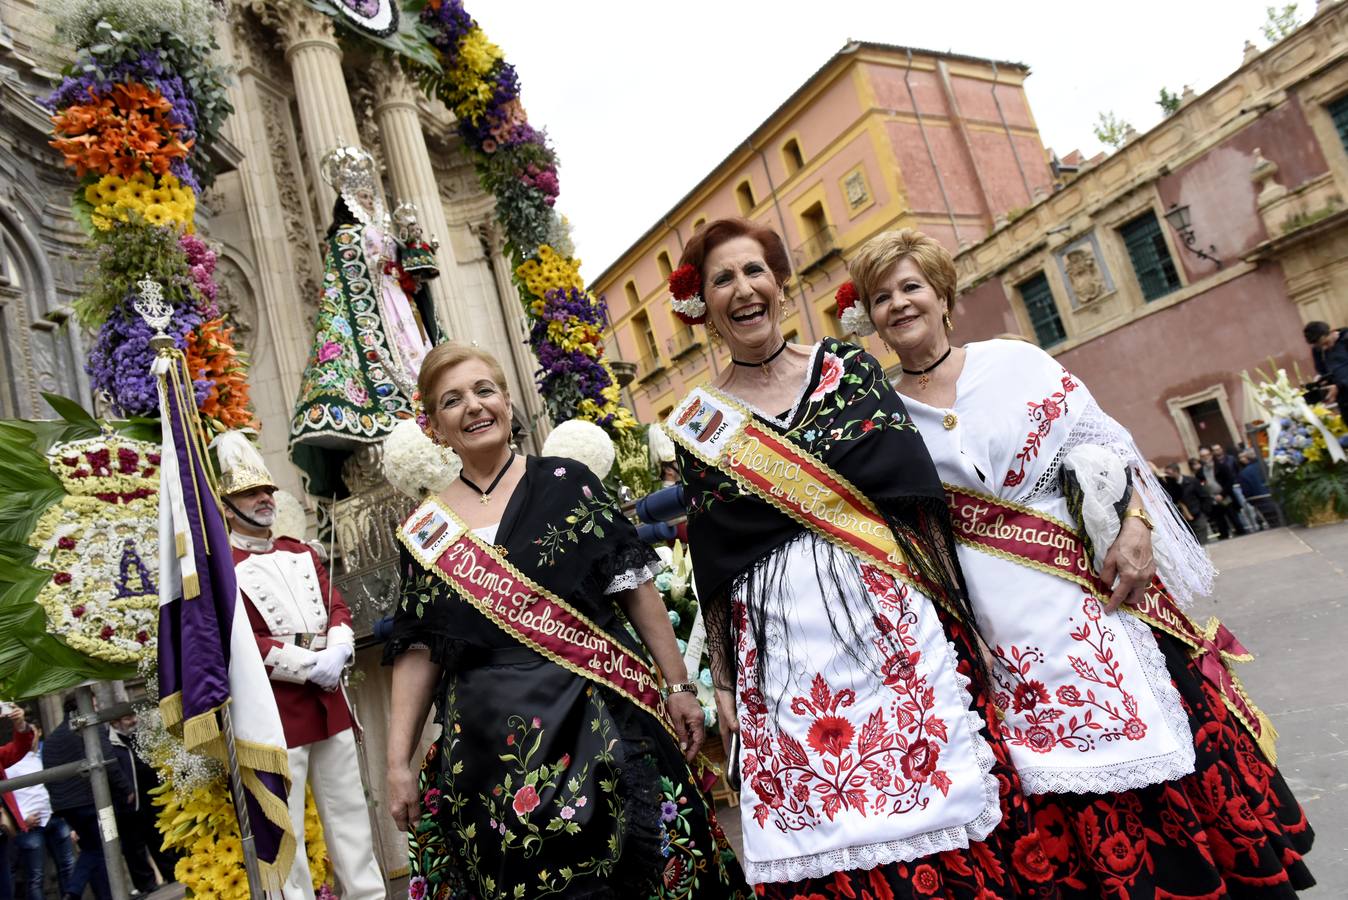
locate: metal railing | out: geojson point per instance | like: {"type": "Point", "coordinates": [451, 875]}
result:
{"type": "Point", "coordinates": [684, 341]}
{"type": "Point", "coordinates": [817, 248]}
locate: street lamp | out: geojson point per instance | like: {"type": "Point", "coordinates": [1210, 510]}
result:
{"type": "Point", "coordinates": [1179, 219]}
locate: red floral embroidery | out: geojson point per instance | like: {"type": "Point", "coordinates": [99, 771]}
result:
{"type": "Point", "coordinates": [1109, 716]}
{"type": "Point", "coordinates": [885, 765]}
{"type": "Point", "coordinates": [1044, 414]}
{"type": "Point", "coordinates": [830, 376]}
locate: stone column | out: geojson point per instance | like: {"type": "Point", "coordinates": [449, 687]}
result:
{"type": "Point", "coordinates": [315, 60]}
{"type": "Point", "coordinates": [409, 167]}
{"type": "Point", "coordinates": [512, 312]}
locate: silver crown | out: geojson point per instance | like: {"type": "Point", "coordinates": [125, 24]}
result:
{"type": "Point", "coordinates": [348, 169]}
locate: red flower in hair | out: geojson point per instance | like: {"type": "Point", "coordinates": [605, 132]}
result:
{"type": "Point", "coordinates": [684, 282]}
{"type": "Point", "coordinates": [846, 296]}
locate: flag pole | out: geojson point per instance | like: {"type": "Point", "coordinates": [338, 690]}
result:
{"type": "Point", "coordinates": [241, 807]}
{"type": "Point", "coordinates": [157, 315]}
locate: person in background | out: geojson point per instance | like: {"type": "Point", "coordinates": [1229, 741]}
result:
{"type": "Point", "coordinates": [1329, 349]}
{"type": "Point", "coordinates": [1222, 512]}
{"type": "Point", "coordinates": [141, 840]}
{"type": "Point", "coordinates": [1191, 499]}
{"type": "Point", "coordinates": [1228, 471]}
{"type": "Point", "coordinates": [1251, 482]}
{"type": "Point", "coordinates": [46, 834]}
{"type": "Point", "coordinates": [11, 815]}
{"type": "Point", "coordinates": [73, 800]}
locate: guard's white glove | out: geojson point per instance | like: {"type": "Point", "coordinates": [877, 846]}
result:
{"type": "Point", "coordinates": [328, 664]}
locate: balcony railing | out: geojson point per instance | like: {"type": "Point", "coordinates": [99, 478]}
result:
{"type": "Point", "coordinates": [683, 343]}
{"type": "Point", "coordinates": [819, 247]}
{"type": "Point", "coordinates": [649, 366]}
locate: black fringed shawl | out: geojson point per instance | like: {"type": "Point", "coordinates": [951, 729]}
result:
{"type": "Point", "coordinates": [850, 418]}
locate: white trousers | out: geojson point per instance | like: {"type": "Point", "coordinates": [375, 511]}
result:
{"type": "Point", "coordinates": [332, 770]}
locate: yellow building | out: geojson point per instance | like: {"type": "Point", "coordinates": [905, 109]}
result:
{"type": "Point", "coordinates": [880, 137]}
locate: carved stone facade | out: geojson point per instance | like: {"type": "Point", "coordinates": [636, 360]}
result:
{"type": "Point", "coordinates": [296, 90]}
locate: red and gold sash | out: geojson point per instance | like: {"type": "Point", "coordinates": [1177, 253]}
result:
{"type": "Point", "coordinates": [771, 466]}
{"type": "Point", "coordinates": [524, 609]}
{"type": "Point", "coordinates": [1014, 532]}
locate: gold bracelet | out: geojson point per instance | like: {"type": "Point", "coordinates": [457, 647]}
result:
{"type": "Point", "coordinates": [1139, 513]}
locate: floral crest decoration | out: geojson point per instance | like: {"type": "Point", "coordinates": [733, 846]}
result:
{"type": "Point", "coordinates": [685, 289]}
{"type": "Point", "coordinates": [851, 313]}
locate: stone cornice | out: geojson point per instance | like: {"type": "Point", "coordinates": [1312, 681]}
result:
{"type": "Point", "coordinates": [1262, 82]}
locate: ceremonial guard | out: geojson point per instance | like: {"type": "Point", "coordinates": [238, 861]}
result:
{"type": "Point", "coordinates": [304, 633]}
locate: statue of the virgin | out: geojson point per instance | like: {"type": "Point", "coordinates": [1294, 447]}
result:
{"type": "Point", "coordinates": [371, 332]}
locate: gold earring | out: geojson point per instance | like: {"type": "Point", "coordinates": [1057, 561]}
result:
{"type": "Point", "coordinates": [945, 317]}
{"type": "Point", "coordinates": [712, 334]}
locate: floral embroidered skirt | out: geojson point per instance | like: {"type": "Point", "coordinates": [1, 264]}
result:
{"type": "Point", "coordinates": [543, 785]}
{"type": "Point", "coordinates": [1008, 864]}
{"type": "Point", "coordinates": [1231, 829]}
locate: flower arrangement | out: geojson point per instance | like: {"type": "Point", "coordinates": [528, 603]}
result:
{"type": "Point", "coordinates": [100, 544]}
{"type": "Point", "coordinates": [201, 825]}
{"type": "Point", "coordinates": [515, 164]}
{"type": "Point", "coordinates": [585, 442]}
{"type": "Point", "coordinates": [135, 116]}
{"type": "Point", "coordinates": [414, 464]}
{"type": "Point", "coordinates": [1308, 468]}
{"type": "Point", "coordinates": [851, 313]}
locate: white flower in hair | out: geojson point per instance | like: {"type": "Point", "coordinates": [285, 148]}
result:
{"type": "Point", "coordinates": [585, 442]}
{"type": "Point", "coordinates": [414, 464]}
{"type": "Point", "coordinates": [851, 313]}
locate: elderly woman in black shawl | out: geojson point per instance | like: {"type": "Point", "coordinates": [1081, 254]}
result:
{"type": "Point", "coordinates": [839, 633]}
{"type": "Point", "coordinates": [562, 768]}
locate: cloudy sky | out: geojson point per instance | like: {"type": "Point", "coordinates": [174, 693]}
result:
{"type": "Point", "coordinates": [642, 99]}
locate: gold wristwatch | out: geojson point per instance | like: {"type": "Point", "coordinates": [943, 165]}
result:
{"type": "Point", "coordinates": [1140, 513]}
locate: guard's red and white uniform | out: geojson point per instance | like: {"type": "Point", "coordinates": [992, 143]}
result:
{"type": "Point", "coordinates": [295, 614]}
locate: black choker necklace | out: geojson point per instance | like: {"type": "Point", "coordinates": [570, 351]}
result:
{"type": "Point", "coordinates": [758, 365]}
{"type": "Point", "coordinates": [924, 380]}
{"type": "Point", "coordinates": [485, 496]}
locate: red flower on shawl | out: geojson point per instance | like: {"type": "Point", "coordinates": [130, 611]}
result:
{"type": "Point", "coordinates": [919, 760]}
{"type": "Point", "coordinates": [830, 734]}
{"type": "Point", "coordinates": [1039, 739]}
{"type": "Point", "coordinates": [768, 788]}
{"type": "Point", "coordinates": [830, 376]}
{"type": "Point", "coordinates": [526, 801]}
{"type": "Point", "coordinates": [1029, 694]}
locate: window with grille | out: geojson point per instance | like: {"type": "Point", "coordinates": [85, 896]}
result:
{"type": "Point", "coordinates": [1043, 312]}
{"type": "Point", "coordinates": [1338, 111]}
{"type": "Point", "coordinates": [1151, 257]}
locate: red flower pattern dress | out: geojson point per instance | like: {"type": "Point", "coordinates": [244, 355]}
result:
{"type": "Point", "coordinates": [867, 765]}
{"type": "Point", "coordinates": [1094, 704]}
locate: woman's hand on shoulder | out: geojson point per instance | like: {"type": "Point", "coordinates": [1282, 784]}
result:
{"type": "Point", "coordinates": [689, 723]}
{"type": "Point", "coordinates": [403, 803]}
{"type": "Point", "coordinates": [1129, 563]}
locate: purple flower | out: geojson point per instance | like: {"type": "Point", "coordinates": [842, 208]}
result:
{"type": "Point", "coordinates": [119, 362]}
{"type": "Point", "coordinates": [669, 811]}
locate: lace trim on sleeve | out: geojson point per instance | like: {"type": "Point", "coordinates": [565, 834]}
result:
{"type": "Point", "coordinates": [1181, 561]}
{"type": "Point", "coordinates": [625, 581]}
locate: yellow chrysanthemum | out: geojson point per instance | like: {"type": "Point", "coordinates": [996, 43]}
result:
{"type": "Point", "coordinates": [143, 178]}
{"type": "Point", "coordinates": [129, 196]}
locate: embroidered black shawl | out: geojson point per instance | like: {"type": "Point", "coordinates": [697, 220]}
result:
{"type": "Point", "coordinates": [850, 418]}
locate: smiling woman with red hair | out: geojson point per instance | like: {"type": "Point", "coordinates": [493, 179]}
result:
{"type": "Point", "coordinates": [838, 630]}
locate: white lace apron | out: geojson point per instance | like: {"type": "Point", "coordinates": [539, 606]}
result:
{"type": "Point", "coordinates": [1089, 705]}
{"type": "Point", "coordinates": [867, 757]}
